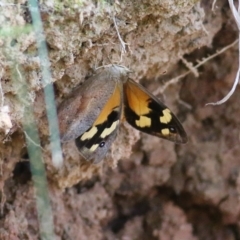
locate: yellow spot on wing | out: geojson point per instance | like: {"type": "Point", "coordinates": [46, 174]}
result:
{"type": "Point", "coordinates": [113, 102]}
{"type": "Point", "coordinates": [165, 131]}
{"type": "Point", "coordinates": [89, 134]}
{"type": "Point", "coordinates": [108, 131]}
{"type": "Point", "coordinates": [167, 117]}
{"type": "Point", "coordinates": [143, 122]}
{"type": "Point", "coordinates": [137, 98]}
{"type": "Point", "coordinates": [94, 147]}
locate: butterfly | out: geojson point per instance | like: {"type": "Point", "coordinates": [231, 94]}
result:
{"type": "Point", "coordinates": [92, 113]}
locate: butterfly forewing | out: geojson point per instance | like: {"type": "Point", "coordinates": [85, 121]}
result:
{"type": "Point", "coordinates": [94, 143]}
{"type": "Point", "coordinates": [146, 113]}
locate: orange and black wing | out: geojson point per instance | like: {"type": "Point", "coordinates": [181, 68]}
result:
{"type": "Point", "coordinates": [95, 141]}
{"type": "Point", "coordinates": [146, 113]}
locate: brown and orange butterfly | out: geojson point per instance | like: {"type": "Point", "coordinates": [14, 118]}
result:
{"type": "Point", "coordinates": [92, 113]}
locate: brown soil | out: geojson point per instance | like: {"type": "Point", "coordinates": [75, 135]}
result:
{"type": "Point", "coordinates": [146, 188]}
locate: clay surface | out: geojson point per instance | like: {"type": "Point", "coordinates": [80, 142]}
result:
{"type": "Point", "coordinates": [146, 188]}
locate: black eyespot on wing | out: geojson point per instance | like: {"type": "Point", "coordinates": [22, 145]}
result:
{"type": "Point", "coordinates": [102, 138]}
{"type": "Point", "coordinates": [172, 129]}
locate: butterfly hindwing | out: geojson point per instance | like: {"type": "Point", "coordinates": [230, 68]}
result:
{"type": "Point", "coordinates": [82, 107]}
{"type": "Point", "coordinates": [95, 142]}
{"type": "Point", "coordinates": [146, 113]}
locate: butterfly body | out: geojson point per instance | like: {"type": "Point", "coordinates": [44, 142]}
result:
{"type": "Point", "coordinates": [92, 113]}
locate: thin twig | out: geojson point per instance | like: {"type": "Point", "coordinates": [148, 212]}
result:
{"type": "Point", "coordinates": [34, 143]}
{"type": "Point", "coordinates": [190, 66]}
{"type": "Point", "coordinates": [213, 4]}
{"type": "Point", "coordinates": [1, 91]}
{"type": "Point", "coordinates": [176, 79]}
{"type": "Point", "coordinates": [236, 15]}
{"type": "Point", "coordinates": [123, 44]}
